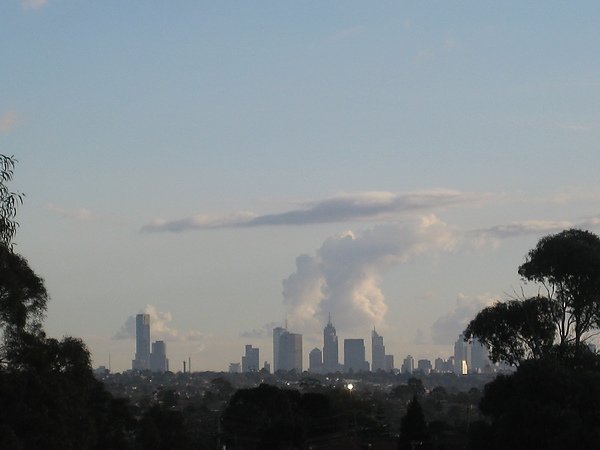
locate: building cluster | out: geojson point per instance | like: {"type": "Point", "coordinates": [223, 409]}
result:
{"type": "Point", "coordinates": [468, 357]}
{"type": "Point", "coordinates": [155, 360]}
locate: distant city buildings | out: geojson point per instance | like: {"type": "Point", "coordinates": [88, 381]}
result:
{"type": "Point", "coordinates": [315, 361]}
{"type": "Point", "coordinates": [251, 360]}
{"type": "Point", "coordinates": [287, 350]}
{"type": "Point", "coordinates": [377, 352]}
{"type": "Point", "coordinates": [142, 343]}
{"type": "Point", "coordinates": [156, 361]}
{"type": "Point", "coordinates": [158, 357]}
{"type": "Point", "coordinates": [354, 356]}
{"type": "Point", "coordinates": [408, 365]}
{"type": "Point", "coordinates": [470, 357]}
{"type": "Point", "coordinates": [389, 363]}
{"type": "Point", "coordinates": [330, 349]}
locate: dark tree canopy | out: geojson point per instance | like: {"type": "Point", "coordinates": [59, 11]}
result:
{"type": "Point", "coordinates": [515, 330]}
{"type": "Point", "coordinates": [23, 296]}
{"type": "Point", "coordinates": [8, 201]}
{"type": "Point", "coordinates": [567, 264]}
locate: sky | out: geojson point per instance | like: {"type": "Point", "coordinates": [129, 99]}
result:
{"type": "Point", "coordinates": [228, 166]}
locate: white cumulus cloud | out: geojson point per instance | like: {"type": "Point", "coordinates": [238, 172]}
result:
{"type": "Point", "coordinates": [343, 276]}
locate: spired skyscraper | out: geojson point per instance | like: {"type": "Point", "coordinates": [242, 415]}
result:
{"type": "Point", "coordinates": [377, 352]}
{"type": "Point", "coordinates": [142, 343]}
{"type": "Point", "coordinates": [330, 349]}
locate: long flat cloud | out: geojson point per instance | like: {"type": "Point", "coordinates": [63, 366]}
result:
{"type": "Point", "coordinates": [344, 208]}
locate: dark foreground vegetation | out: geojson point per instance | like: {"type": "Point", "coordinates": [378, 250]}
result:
{"type": "Point", "coordinates": [50, 398]}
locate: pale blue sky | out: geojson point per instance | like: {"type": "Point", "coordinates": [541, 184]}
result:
{"type": "Point", "coordinates": [421, 127]}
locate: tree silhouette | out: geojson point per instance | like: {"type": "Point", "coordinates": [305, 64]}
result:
{"type": "Point", "coordinates": [567, 265]}
{"type": "Point", "coordinates": [413, 429]}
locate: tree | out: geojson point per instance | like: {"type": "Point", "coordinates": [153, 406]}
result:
{"type": "Point", "coordinates": [516, 330]}
{"type": "Point", "coordinates": [567, 265]}
{"type": "Point", "coordinates": [413, 429]}
{"type": "Point", "coordinates": [8, 201]}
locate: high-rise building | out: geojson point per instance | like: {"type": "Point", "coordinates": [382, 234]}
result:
{"type": "Point", "coordinates": [250, 360]}
{"type": "Point", "coordinates": [330, 349]}
{"type": "Point", "coordinates": [315, 361]}
{"type": "Point", "coordinates": [389, 363]}
{"type": "Point", "coordinates": [377, 352]}
{"type": "Point", "coordinates": [480, 360]}
{"type": "Point", "coordinates": [290, 352]}
{"type": "Point", "coordinates": [277, 332]}
{"type": "Point", "coordinates": [158, 357]}
{"type": "Point", "coordinates": [462, 356]}
{"type": "Point", "coordinates": [424, 366]}
{"type": "Point", "coordinates": [234, 368]}
{"type": "Point", "coordinates": [354, 356]}
{"type": "Point", "coordinates": [142, 343]}
{"type": "Point", "coordinates": [408, 365]}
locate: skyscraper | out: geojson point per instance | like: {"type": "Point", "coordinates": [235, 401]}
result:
{"type": "Point", "coordinates": [290, 352]}
{"type": "Point", "coordinates": [277, 332]}
{"type": "Point", "coordinates": [315, 360]}
{"type": "Point", "coordinates": [158, 357]}
{"type": "Point", "coordinates": [142, 343]}
{"type": "Point", "coordinates": [354, 356]}
{"type": "Point", "coordinates": [250, 360]}
{"type": "Point", "coordinates": [377, 352]}
{"type": "Point", "coordinates": [330, 349]}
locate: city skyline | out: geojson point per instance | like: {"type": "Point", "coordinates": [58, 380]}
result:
{"type": "Point", "coordinates": [224, 167]}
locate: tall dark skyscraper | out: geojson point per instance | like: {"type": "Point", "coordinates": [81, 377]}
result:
{"type": "Point", "coordinates": [330, 349]}
{"type": "Point", "coordinates": [277, 332]}
{"type": "Point", "coordinates": [290, 352]}
{"type": "Point", "coordinates": [377, 352]}
{"type": "Point", "coordinates": [354, 356]}
{"type": "Point", "coordinates": [142, 343]}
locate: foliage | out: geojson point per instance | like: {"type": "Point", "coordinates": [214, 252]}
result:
{"type": "Point", "coordinates": [413, 429]}
{"type": "Point", "coordinates": [515, 330]}
{"type": "Point", "coordinates": [567, 264]}
{"type": "Point", "coordinates": [547, 404]}
{"type": "Point", "coordinates": [23, 296]}
{"type": "Point", "coordinates": [8, 201]}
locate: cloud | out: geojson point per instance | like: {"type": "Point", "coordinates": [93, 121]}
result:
{"type": "Point", "coordinates": [78, 213]}
{"type": "Point", "coordinates": [33, 4]}
{"type": "Point", "coordinates": [447, 328]}
{"type": "Point", "coordinates": [344, 208]}
{"type": "Point", "coordinates": [343, 277]}
{"type": "Point", "coordinates": [160, 328]}
{"type": "Point", "coordinates": [494, 234]}
{"type": "Point", "coordinates": [261, 333]}
{"type": "Point", "coordinates": [8, 121]}
{"type": "Point", "coordinates": [575, 127]}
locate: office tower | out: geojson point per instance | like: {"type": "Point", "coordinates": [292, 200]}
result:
{"type": "Point", "coordinates": [424, 366]}
{"type": "Point", "coordinates": [158, 357]}
{"type": "Point", "coordinates": [315, 360]}
{"type": "Point", "coordinates": [377, 352]}
{"type": "Point", "coordinates": [234, 368]}
{"type": "Point", "coordinates": [389, 363]}
{"type": "Point", "coordinates": [408, 365]}
{"type": "Point", "coordinates": [277, 332]}
{"type": "Point", "coordinates": [250, 360]}
{"type": "Point", "coordinates": [290, 352]}
{"type": "Point", "coordinates": [462, 356]}
{"type": "Point", "coordinates": [330, 349]}
{"type": "Point", "coordinates": [479, 357]}
{"type": "Point", "coordinates": [354, 356]}
{"type": "Point", "coordinates": [142, 343]}
{"type": "Point", "coordinates": [267, 367]}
